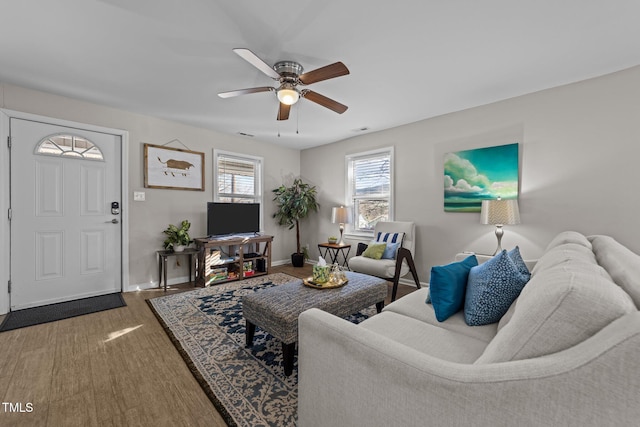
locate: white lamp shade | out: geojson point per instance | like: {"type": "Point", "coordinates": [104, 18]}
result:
{"type": "Point", "coordinates": [341, 215]}
{"type": "Point", "coordinates": [500, 212]}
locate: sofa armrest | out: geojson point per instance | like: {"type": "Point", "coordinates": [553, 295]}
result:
{"type": "Point", "coordinates": [350, 376]}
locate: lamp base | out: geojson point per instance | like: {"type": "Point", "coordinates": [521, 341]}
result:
{"type": "Point", "coordinates": [499, 233]}
{"type": "Point", "coordinates": [341, 241]}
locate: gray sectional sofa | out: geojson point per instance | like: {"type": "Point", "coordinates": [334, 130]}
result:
{"type": "Point", "coordinates": [566, 353]}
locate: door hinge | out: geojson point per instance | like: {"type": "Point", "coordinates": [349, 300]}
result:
{"type": "Point", "coordinates": [9, 214]}
{"type": "Point", "coordinates": [9, 141]}
{"type": "Point", "coordinates": [9, 283]}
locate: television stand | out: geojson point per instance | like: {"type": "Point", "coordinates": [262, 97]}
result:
{"type": "Point", "coordinates": [224, 259]}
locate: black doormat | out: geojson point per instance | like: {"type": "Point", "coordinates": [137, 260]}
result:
{"type": "Point", "coordinates": [62, 310]}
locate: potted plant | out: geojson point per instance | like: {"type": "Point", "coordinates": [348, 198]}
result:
{"type": "Point", "coordinates": [295, 203]}
{"type": "Point", "coordinates": [177, 237]}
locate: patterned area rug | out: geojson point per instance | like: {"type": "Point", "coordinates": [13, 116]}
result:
{"type": "Point", "coordinates": [247, 385]}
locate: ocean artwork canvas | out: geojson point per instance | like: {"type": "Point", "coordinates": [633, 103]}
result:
{"type": "Point", "coordinates": [483, 173]}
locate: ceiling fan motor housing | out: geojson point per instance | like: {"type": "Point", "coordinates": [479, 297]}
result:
{"type": "Point", "coordinates": [288, 69]}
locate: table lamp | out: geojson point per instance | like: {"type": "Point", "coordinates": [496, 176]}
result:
{"type": "Point", "coordinates": [342, 216]}
{"type": "Point", "coordinates": [500, 212]}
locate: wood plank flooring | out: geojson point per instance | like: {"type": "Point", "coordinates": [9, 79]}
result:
{"type": "Point", "coordinates": [113, 368]}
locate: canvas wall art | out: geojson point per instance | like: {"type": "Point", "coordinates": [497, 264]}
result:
{"type": "Point", "coordinates": [173, 168]}
{"type": "Point", "coordinates": [484, 173]}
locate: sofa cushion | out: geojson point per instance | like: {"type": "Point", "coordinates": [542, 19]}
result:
{"type": "Point", "coordinates": [412, 305]}
{"type": "Point", "coordinates": [491, 289]}
{"type": "Point", "coordinates": [447, 287]}
{"type": "Point", "coordinates": [622, 264]}
{"type": "Point", "coordinates": [559, 308]}
{"type": "Point", "coordinates": [564, 253]}
{"type": "Point", "coordinates": [569, 237]}
{"type": "Point", "coordinates": [426, 338]}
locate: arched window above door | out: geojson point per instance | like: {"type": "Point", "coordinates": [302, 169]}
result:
{"type": "Point", "coordinates": [69, 146]}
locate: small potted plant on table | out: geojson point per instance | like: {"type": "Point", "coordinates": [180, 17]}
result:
{"type": "Point", "coordinates": [177, 237]}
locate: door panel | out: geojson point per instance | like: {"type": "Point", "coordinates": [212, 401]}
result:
{"type": "Point", "coordinates": [64, 244]}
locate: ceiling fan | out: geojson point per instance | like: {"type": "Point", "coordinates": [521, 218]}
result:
{"type": "Point", "coordinates": [289, 75]}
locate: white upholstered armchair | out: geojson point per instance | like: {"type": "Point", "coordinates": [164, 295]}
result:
{"type": "Point", "coordinates": [390, 269]}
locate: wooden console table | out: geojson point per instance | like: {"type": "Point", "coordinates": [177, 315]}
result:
{"type": "Point", "coordinates": [229, 258]}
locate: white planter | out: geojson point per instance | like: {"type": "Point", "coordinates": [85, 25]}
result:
{"type": "Point", "coordinates": [178, 248]}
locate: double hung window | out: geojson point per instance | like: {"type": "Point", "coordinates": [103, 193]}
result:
{"type": "Point", "coordinates": [370, 188]}
{"type": "Point", "coordinates": [237, 178]}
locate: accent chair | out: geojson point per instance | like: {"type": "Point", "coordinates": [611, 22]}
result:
{"type": "Point", "coordinates": [389, 268]}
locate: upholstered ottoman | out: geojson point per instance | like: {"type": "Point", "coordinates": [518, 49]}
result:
{"type": "Point", "coordinates": [276, 309]}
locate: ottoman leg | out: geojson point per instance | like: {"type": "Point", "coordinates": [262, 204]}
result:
{"type": "Point", "coordinates": [250, 331]}
{"type": "Point", "coordinates": [288, 351]}
{"type": "Point", "coordinates": [379, 306]}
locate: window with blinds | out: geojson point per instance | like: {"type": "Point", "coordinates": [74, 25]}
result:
{"type": "Point", "coordinates": [370, 188]}
{"type": "Point", "coordinates": [237, 178]}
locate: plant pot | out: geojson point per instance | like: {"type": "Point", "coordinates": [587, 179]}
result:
{"type": "Point", "coordinates": [297, 259]}
{"type": "Point", "coordinates": [178, 248]}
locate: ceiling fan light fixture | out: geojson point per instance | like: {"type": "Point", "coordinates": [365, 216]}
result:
{"type": "Point", "coordinates": [288, 95]}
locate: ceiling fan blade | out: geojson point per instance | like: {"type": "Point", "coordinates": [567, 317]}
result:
{"type": "Point", "coordinates": [239, 92]}
{"type": "Point", "coordinates": [253, 59]}
{"type": "Point", "coordinates": [324, 101]}
{"type": "Point", "coordinates": [324, 73]}
{"type": "Point", "coordinates": [283, 111]}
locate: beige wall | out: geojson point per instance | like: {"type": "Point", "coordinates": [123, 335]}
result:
{"type": "Point", "coordinates": [148, 219]}
{"type": "Point", "coordinates": [580, 148]}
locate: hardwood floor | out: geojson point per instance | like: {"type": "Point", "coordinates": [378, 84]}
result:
{"type": "Point", "coordinates": [113, 368]}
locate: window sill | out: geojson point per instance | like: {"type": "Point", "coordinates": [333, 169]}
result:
{"type": "Point", "coordinates": [362, 236]}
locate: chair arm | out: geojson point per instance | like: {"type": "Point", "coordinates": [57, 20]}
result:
{"type": "Point", "coordinates": [361, 248]}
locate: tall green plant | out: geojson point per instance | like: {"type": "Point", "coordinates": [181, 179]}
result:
{"type": "Point", "coordinates": [295, 203]}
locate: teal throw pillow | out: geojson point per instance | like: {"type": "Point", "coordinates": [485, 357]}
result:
{"type": "Point", "coordinates": [447, 287]}
{"type": "Point", "coordinates": [374, 250]}
{"type": "Point", "coordinates": [491, 289]}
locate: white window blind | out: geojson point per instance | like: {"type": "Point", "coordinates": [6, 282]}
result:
{"type": "Point", "coordinates": [370, 188]}
{"type": "Point", "coordinates": [237, 178]}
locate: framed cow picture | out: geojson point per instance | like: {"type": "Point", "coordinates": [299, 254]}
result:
{"type": "Point", "coordinates": [173, 168]}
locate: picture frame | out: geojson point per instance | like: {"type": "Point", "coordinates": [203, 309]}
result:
{"type": "Point", "coordinates": [471, 176]}
{"type": "Point", "coordinates": [173, 168]}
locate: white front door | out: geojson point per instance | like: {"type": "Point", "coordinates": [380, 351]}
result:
{"type": "Point", "coordinates": [65, 238]}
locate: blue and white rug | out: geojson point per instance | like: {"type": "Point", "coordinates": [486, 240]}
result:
{"type": "Point", "coordinates": [247, 385]}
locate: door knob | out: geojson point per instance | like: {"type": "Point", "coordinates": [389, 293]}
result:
{"type": "Point", "coordinates": [113, 221]}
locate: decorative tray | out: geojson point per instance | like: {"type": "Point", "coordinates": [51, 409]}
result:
{"type": "Point", "coordinates": [326, 285]}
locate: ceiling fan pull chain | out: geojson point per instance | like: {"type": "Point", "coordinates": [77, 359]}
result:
{"type": "Point", "coordinates": [297, 119]}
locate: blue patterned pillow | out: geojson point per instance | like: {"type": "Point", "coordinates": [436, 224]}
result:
{"type": "Point", "coordinates": [447, 287]}
{"type": "Point", "coordinates": [515, 256]}
{"type": "Point", "coordinates": [491, 289]}
{"type": "Point", "coordinates": [393, 241]}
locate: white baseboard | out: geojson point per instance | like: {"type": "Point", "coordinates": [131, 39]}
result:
{"type": "Point", "coordinates": [154, 284]}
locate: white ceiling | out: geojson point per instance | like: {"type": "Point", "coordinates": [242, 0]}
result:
{"type": "Point", "coordinates": [409, 60]}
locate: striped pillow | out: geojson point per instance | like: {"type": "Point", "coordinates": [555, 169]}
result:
{"type": "Point", "coordinates": [393, 241]}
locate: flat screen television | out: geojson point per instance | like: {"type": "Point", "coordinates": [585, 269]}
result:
{"type": "Point", "coordinates": [232, 218]}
